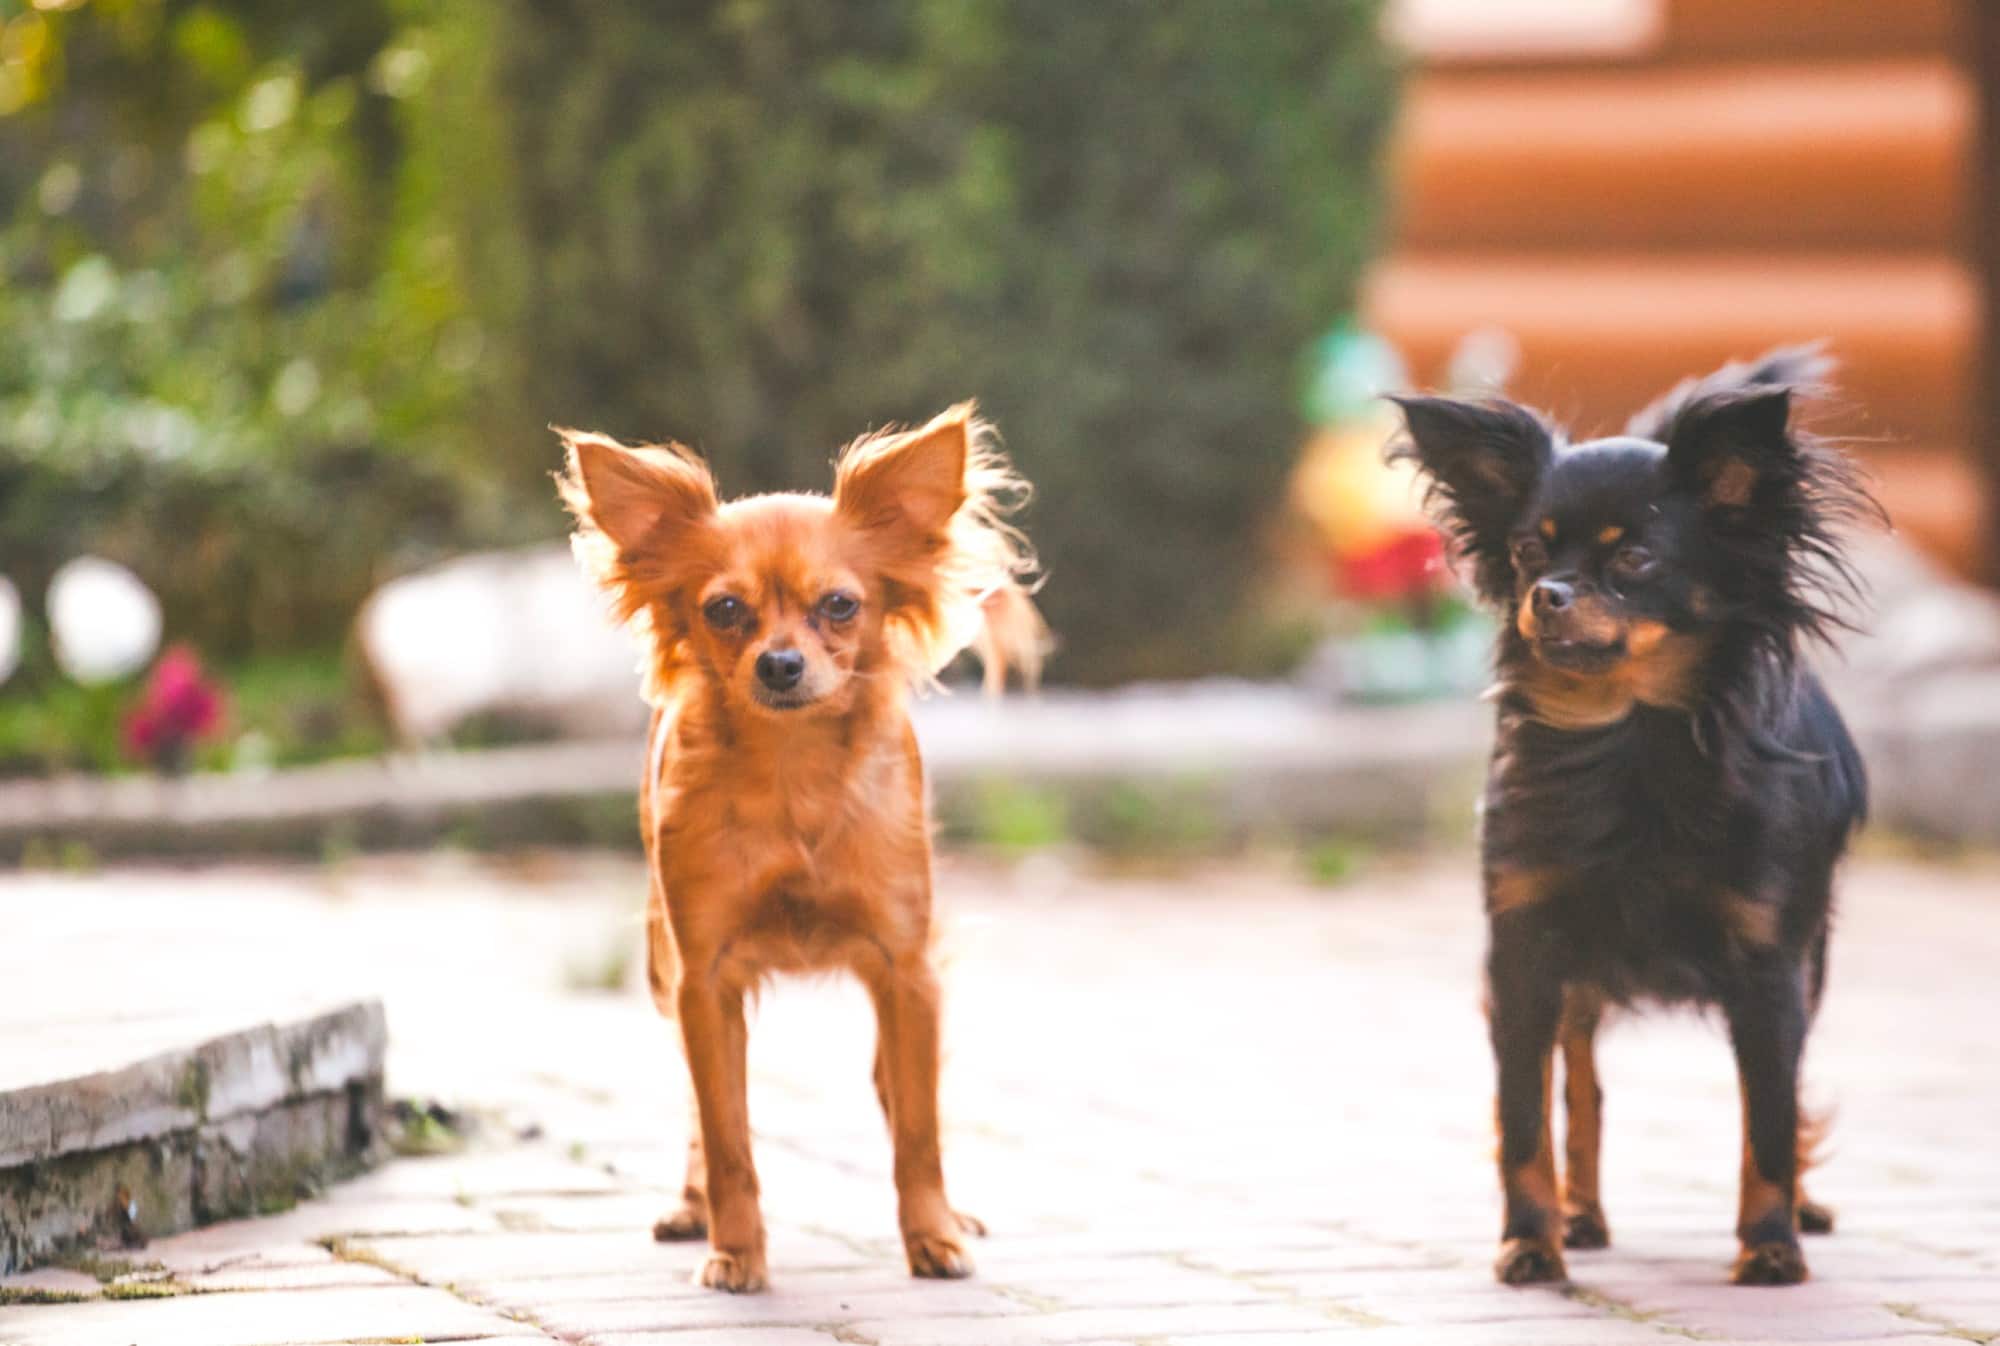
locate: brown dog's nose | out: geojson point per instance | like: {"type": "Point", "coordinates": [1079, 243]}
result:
{"type": "Point", "coordinates": [1553, 595]}
{"type": "Point", "coordinates": [780, 670]}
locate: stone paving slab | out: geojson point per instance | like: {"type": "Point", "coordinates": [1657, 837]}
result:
{"type": "Point", "coordinates": [1217, 1107]}
{"type": "Point", "coordinates": [301, 1316]}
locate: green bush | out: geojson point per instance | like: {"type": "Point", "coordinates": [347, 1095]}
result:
{"type": "Point", "coordinates": [762, 227]}
{"type": "Point", "coordinates": [238, 346]}
{"type": "Point", "coordinates": [288, 292]}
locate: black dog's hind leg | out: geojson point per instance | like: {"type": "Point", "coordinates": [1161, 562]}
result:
{"type": "Point", "coordinates": [1767, 1027]}
{"type": "Point", "coordinates": [1814, 1217]}
{"type": "Point", "coordinates": [1583, 1136]}
{"type": "Point", "coordinates": [1526, 1003]}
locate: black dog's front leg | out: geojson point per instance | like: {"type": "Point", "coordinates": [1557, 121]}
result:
{"type": "Point", "coordinates": [1525, 993]}
{"type": "Point", "coordinates": [1767, 1027]}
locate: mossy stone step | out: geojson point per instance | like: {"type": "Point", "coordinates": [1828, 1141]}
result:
{"type": "Point", "coordinates": [108, 1137]}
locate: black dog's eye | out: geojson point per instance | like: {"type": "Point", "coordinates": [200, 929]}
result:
{"type": "Point", "coordinates": [840, 606]}
{"type": "Point", "coordinates": [724, 612]}
{"type": "Point", "coordinates": [1530, 554]}
{"type": "Point", "coordinates": [1631, 562]}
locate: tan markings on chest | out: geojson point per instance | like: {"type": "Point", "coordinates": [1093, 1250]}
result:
{"type": "Point", "coordinates": [1662, 668]}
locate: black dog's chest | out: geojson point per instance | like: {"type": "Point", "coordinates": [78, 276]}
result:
{"type": "Point", "coordinates": [1637, 935]}
{"type": "Point", "coordinates": [1629, 839]}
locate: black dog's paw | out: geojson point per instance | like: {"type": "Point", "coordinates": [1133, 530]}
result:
{"type": "Point", "coordinates": [1778, 1263]}
{"type": "Point", "coordinates": [1815, 1218]}
{"type": "Point", "coordinates": [680, 1226]}
{"type": "Point", "coordinates": [1527, 1261]}
{"type": "Point", "coordinates": [1584, 1228]}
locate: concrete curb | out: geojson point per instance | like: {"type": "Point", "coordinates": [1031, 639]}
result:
{"type": "Point", "coordinates": [1246, 759]}
{"type": "Point", "coordinates": [227, 1125]}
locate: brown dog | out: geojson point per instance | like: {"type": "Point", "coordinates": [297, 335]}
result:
{"type": "Point", "coordinates": [783, 804]}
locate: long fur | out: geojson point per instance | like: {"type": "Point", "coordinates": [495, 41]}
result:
{"type": "Point", "coordinates": [976, 592]}
{"type": "Point", "coordinates": [783, 806]}
{"type": "Point", "coordinates": [1670, 789]}
{"type": "Point", "coordinates": [1793, 559]}
{"type": "Point", "coordinates": [1479, 459]}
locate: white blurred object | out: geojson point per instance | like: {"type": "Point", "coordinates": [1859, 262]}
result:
{"type": "Point", "coordinates": [519, 633]}
{"type": "Point", "coordinates": [1483, 363]}
{"type": "Point", "coordinates": [1487, 29]}
{"type": "Point", "coordinates": [1919, 623]}
{"type": "Point", "coordinates": [104, 623]}
{"type": "Point", "coordinates": [10, 628]}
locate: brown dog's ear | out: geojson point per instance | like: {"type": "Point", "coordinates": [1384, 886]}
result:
{"type": "Point", "coordinates": [908, 484]}
{"type": "Point", "coordinates": [633, 495]}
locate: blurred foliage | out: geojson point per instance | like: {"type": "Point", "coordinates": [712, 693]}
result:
{"type": "Point", "coordinates": [762, 227]}
{"type": "Point", "coordinates": [1332, 861]}
{"type": "Point", "coordinates": [1006, 815]}
{"type": "Point", "coordinates": [281, 710]}
{"type": "Point", "coordinates": [238, 345]}
{"type": "Point", "coordinates": [288, 292]}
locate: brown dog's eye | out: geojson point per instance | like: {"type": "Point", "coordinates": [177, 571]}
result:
{"type": "Point", "coordinates": [839, 606]}
{"type": "Point", "coordinates": [1530, 554]}
{"type": "Point", "coordinates": [723, 613]}
{"type": "Point", "coordinates": [1631, 562]}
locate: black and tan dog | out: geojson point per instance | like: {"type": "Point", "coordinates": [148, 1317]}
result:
{"type": "Point", "coordinates": [1670, 788]}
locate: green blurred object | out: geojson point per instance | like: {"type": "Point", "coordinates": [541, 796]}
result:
{"type": "Point", "coordinates": [282, 710]}
{"type": "Point", "coordinates": [762, 228]}
{"type": "Point", "coordinates": [1009, 816]}
{"type": "Point", "coordinates": [239, 349]}
{"type": "Point", "coordinates": [288, 293]}
{"type": "Point", "coordinates": [1347, 372]}
{"type": "Point", "coordinates": [1394, 659]}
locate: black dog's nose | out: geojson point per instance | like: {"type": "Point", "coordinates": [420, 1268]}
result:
{"type": "Point", "coordinates": [1552, 595]}
{"type": "Point", "coordinates": [780, 670]}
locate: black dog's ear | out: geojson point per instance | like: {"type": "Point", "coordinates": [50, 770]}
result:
{"type": "Point", "coordinates": [1484, 459]}
{"type": "Point", "coordinates": [1726, 447]}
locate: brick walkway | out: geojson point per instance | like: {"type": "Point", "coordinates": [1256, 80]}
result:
{"type": "Point", "coordinates": [1221, 1108]}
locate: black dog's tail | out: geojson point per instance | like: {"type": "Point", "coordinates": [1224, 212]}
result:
{"type": "Point", "coordinates": [1804, 369]}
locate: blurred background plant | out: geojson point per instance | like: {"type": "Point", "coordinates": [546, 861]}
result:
{"type": "Point", "coordinates": [238, 348]}
{"type": "Point", "coordinates": [1400, 626]}
{"type": "Point", "coordinates": [765, 227]}
{"type": "Point", "coordinates": [287, 293]}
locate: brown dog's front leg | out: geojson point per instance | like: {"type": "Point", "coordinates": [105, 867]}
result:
{"type": "Point", "coordinates": [906, 1010]}
{"type": "Point", "coordinates": [969, 1224]}
{"type": "Point", "coordinates": [717, 1041]}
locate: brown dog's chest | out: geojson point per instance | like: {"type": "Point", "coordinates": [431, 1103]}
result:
{"type": "Point", "coordinates": [796, 875]}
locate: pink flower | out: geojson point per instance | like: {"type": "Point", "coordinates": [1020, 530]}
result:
{"type": "Point", "coordinates": [178, 707]}
{"type": "Point", "coordinates": [1406, 565]}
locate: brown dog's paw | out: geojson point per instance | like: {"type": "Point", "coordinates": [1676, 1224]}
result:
{"type": "Point", "coordinates": [1585, 1228]}
{"type": "Point", "coordinates": [937, 1256]}
{"type": "Point", "coordinates": [1776, 1263]}
{"type": "Point", "coordinates": [739, 1273]}
{"type": "Point", "coordinates": [970, 1224]}
{"type": "Point", "coordinates": [1815, 1218]}
{"type": "Point", "coordinates": [1529, 1262]}
{"type": "Point", "coordinates": [680, 1225]}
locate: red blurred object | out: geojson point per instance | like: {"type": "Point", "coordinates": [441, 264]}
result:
{"type": "Point", "coordinates": [179, 706]}
{"type": "Point", "coordinates": [1407, 565]}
